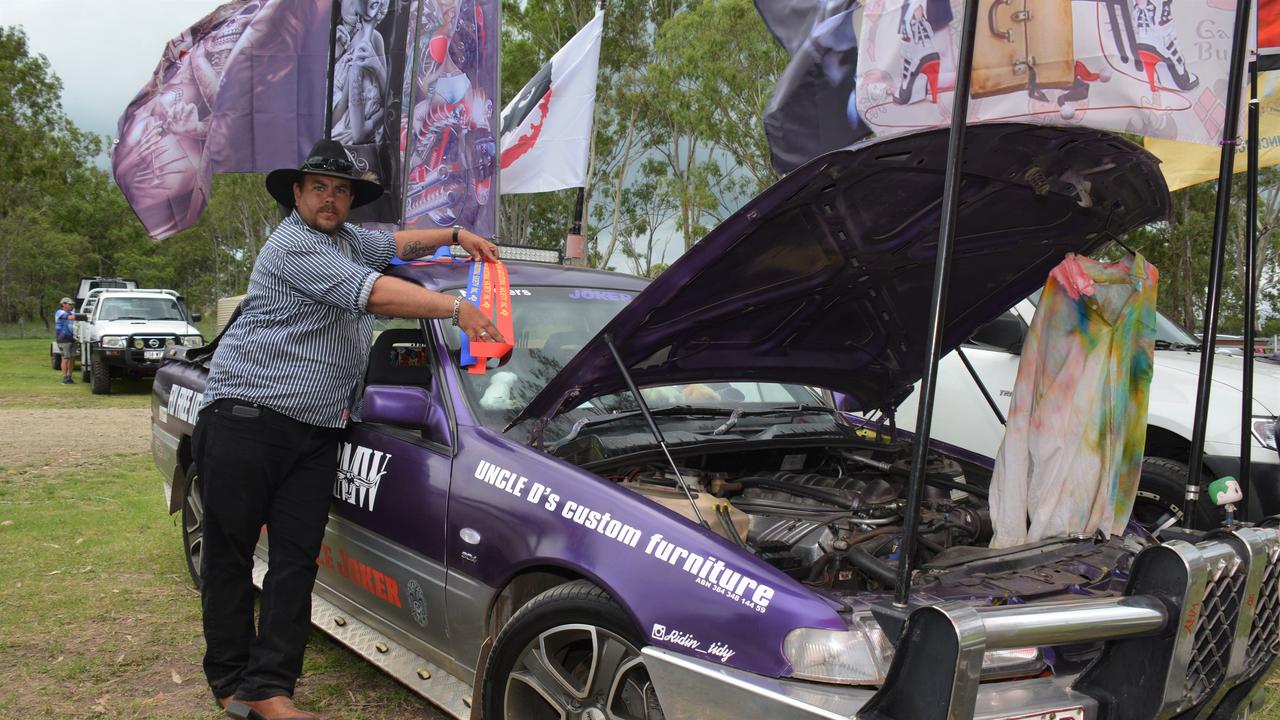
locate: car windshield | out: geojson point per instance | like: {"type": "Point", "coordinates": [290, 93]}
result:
{"type": "Point", "coordinates": [551, 325]}
{"type": "Point", "coordinates": [140, 309]}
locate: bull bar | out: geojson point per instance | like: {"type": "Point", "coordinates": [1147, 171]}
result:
{"type": "Point", "coordinates": [1195, 630]}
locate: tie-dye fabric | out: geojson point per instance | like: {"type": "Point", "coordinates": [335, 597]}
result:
{"type": "Point", "coordinates": [1072, 451]}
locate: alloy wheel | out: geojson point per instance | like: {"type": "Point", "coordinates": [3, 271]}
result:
{"type": "Point", "coordinates": [580, 672]}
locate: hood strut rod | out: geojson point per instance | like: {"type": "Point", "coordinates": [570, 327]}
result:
{"type": "Point", "coordinates": [938, 307]}
{"type": "Point", "coordinates": [653, 428]}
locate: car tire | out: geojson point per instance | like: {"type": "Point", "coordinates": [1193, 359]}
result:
{"type": "Point", "coordinates": [99, 376]}
{"type": "Point", "coordinates": [1161, 490]}
{"type": "Point", "coordinates": [193, 525]}
{"type": "Point", "coordinates": [570, 652]}
{"type": "Point", "coordinates": [56, 360]}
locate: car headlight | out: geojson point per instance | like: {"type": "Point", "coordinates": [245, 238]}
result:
{"type": "Point", "coordinates": [193, 340]}
{"type": "Point", "coordinates": [862, 654]}
{"type": "Point", "coordinates": [114, 341]}
{"type": "Point", "coordinates": [857, 656]}
{"type": "Point", "coordinates": [1264, 430]}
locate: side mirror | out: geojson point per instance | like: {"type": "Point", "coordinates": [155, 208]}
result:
{"type": "Point", "coordinates": [403, 405]}
{"type": "Point", "coordinates": [80, 317]}
{"type": "Point", "coordinates": [195, 317]}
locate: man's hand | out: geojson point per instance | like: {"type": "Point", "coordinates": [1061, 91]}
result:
{"type": "Point", "coordinates": [477, 247]}
{"type": "Point", "coordinates": [477, 327]}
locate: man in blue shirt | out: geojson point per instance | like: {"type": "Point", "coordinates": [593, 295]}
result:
{"type": "Point", "coordinates": [65, 338]}
{"type": "Point", "coordinates": [281, 386]}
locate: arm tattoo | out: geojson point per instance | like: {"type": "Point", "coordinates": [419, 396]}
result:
{"type": "Point", "coordinates": [415, 249]}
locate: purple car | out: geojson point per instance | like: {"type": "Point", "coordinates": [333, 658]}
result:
{"type": "Point", "coordinates": [519, 544]}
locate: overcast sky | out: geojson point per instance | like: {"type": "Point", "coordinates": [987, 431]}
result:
{"type": "Point", "coordinates": [104, 52]}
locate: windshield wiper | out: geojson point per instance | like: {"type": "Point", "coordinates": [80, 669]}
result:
{"type": "Point", "coordinates": [623, 415]}
{"type": "Point", "coordinates": [734, 415]}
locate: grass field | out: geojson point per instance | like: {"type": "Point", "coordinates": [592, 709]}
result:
{"type": "Point", "coordinates": [99, 616]}
{"type": "Point", "coordinates": [27, 380]}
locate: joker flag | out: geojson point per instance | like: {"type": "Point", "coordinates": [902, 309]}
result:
{"type": "Point", "coordinates": [242, 90]}
{"type": "Point", "coordinates": [546, 128]}
{"type": "Point", "coordinates": [1149, 67]}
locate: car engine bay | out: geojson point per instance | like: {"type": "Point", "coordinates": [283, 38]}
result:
{"type": "Point", "coordinates": [831, 517]}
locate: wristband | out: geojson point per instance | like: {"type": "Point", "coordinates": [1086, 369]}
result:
{"type": "Point", "coordinates": [457, 307]}
{"type": "Point", "coordinates": [456, 229]}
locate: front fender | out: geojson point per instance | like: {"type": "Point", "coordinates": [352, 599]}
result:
{"type": "Point", "coordinates": [687, 588]}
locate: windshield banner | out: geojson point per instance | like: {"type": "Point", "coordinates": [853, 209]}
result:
{"type": "Point", "coordinates": [1148, 67]}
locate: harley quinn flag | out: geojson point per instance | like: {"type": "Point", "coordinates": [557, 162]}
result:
{"type": "Point", "coordinates": [1150, 67]}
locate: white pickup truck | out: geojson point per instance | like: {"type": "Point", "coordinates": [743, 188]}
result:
{"type": "Point", "coordinates": [127, 331]}
{"type": "Point", "coordinates": [962, 417]}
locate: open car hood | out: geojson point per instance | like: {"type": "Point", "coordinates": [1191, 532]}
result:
{"type": "Point", "coordinates": [825, 278]}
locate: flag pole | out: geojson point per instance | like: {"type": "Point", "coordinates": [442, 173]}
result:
{"type": "Point", "coordinates": [496, 120]}
{"type": "Point", "coordinates": [1250, 291]}
{"type": "Point", "coordinates": [335, 15]}
{"type": "Point", "coordinates": [1222, 214]}
{"type": "Point", "coordinates": [938, 309]}
{"type": "Point", "coordinates": [575, 245]}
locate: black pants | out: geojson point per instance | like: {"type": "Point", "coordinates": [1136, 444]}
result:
{"type": "Point", "coordinates": [259, 467]}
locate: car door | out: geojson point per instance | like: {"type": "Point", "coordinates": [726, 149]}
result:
{"type": "Point", "coordinates": [384, 544]}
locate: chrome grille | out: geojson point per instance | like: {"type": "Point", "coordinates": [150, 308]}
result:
{"type": "Point", "coordinates": [1214, 632]}
{"type": "Point", "coordinates": [1264, 636]}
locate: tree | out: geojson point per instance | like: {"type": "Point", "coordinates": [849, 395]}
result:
{"type": "Point", "coordinates": [647, 207]}
{"type": "Point", "coordinates": [49, 219]}
{"type": "Point", "coordinates": [1181, 247]}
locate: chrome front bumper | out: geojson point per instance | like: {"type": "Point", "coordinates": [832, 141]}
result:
{"type": "Point", "coordinates": [1195, 632]}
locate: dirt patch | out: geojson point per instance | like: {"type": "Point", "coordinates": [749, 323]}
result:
{"type": "Point", "coordinates": [71, 435]}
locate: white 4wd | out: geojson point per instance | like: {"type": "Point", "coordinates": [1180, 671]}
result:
{"type": "Point", "coordinates": [963, 418]}
{"type": "Point", "coordinates": [127, 332]}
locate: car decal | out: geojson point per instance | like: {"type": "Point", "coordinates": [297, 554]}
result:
{"type": "Point", "coordinates": [184, 404]}
{"type": "Point", "coordinates": [360, 473]}
{"type": "Point", "coordinates": [706, 571]}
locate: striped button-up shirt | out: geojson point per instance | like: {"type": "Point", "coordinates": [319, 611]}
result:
{"type": "Point", "coordinates": [302, 340]}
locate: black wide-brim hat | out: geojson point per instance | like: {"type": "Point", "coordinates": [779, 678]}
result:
{"type": "Point", "coordinates": [329, 158]}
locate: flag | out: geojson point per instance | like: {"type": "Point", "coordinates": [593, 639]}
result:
{"type": "Point", "coordinates": [447, 135]}
{"type": "Point", "coordinates": [1185, 164]}
{"type": "Point", "coordinates": [370, 52]}
{"type": "Point", "coordinates": [1156, 68]}
{"type": "Point", "coordinates": [242, 90]}
{"type": "Point", "coordinates": [1268, 34]}
{"type": "Point", "coordinates": [546, 128]}
{"type": "Point", "coordinates": [812, 109]}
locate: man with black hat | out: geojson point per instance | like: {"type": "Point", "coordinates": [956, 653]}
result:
{"type": "Point", "coordinates": [281, 386]}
